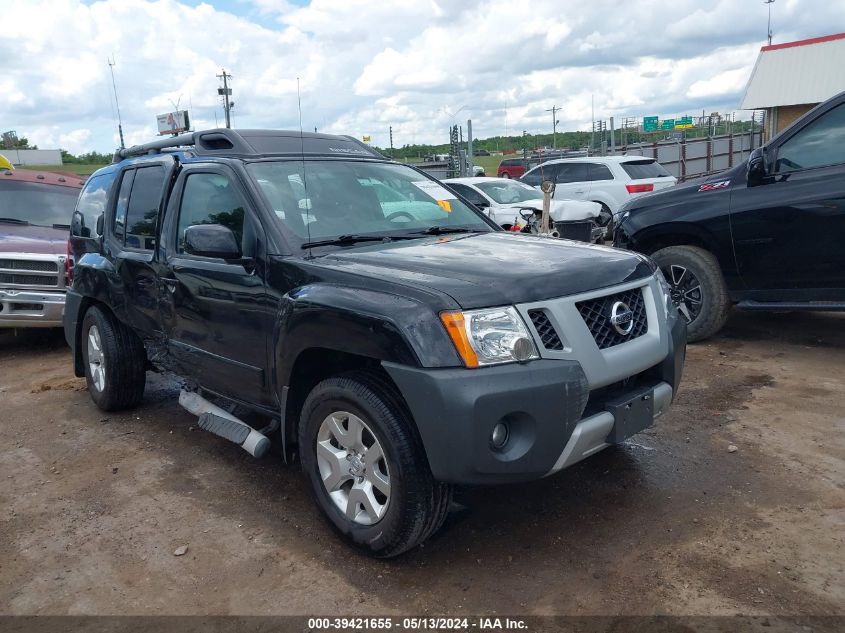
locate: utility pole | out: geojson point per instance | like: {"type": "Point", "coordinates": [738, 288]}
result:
{"type": "Point", "coordinates": [554, 110]}
{"type": "Point", "coordinates": [226, 92]}
{"type": "Point", "coordinates": [114, 87]}
{"type": "Point", "coordinates": [391, 141]}
{"type": "Point", "coordinates": [768, 4]}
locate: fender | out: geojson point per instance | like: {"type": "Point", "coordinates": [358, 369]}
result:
{"type": "Point", "coordinates": [377, 325]}
{"type": "Point", "coordinates": [642, 240]}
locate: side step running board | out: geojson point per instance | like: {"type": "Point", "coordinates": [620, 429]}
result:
{"type": "Point", "coordinates": [814, 306]}
{"type": "Point", "coordinates": [220, 422]}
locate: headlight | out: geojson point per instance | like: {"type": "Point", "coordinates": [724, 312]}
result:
{"type": "Point", "coordinates": [490, 336]}
{"type": "Point", "coordinates": [665, 288]}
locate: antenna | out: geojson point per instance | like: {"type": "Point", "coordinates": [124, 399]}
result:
{"type": "Point", "coordinates": [114, 87]}
{"type": "Point", "coordinates": [304, 180]}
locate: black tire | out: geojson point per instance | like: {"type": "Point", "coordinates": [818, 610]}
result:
{"type": "Point", "coordinates": [714, 300]}
{"type": "Point", "coordinates": [123, 359]}
{"type": "Point", "coordinates": [506, 175]}
{"type": "Point", "coordinates": [417, 505]}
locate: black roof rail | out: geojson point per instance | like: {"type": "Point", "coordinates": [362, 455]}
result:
{"type": "Point", "coordinates": [224, 141]}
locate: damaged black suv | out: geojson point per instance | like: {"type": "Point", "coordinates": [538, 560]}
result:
{"type": "Point", "coordinates": [374, 323]}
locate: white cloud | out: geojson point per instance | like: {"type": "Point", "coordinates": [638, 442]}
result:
{"type": "Point", "coordinates": [365, 66]}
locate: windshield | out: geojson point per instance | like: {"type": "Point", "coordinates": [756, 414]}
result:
{"type": "Point", "coordinates": [33, 203]}
{"type": "Point", "coordinates": [328, 199]}
{"type": "Point", "coordinates": [508, 191]}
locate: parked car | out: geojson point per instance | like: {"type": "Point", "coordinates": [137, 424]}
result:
{"type": "Point", "coordinates": [765, 235]}
{"type": "Point", "coordinates": [514, 167]}
{"type": "Point", "coordinates": [480, 152]}
{"type": "Point", "coordinates": [35, 211]}
{"type": "Point", "coordinates": [608, 180]}
{"type": "Point", "coordinates": [395, 354]}
{"type": "Point", "coordinates": [505, 202]}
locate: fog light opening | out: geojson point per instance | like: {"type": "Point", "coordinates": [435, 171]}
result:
{"type": "Point", "coordinates": [499, 436]}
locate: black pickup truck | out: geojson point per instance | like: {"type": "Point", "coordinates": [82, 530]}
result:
{"type": "Point", "coordinates": [766, 235]}
{"type": "Point", "coordinates": [361, 316]}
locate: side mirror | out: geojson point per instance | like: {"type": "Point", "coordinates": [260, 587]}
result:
{"type": "Point", "coordinates": [757, 169]}
{"type": "Point", "coordinates": [211, 240]}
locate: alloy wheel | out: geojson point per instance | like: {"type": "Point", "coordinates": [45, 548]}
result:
{"type": "Point", "coordinates": [685, 291]}
{"type": "Point", "coordinates": [353, 468]}
{"type": "Point", "coordinates": [96, 359]}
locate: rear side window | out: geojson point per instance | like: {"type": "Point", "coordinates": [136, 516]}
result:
{"type": "Point", "coordinates": [122, 204]}
{"type": "Point", "coordinates": [91, 205]}
{"type": "Point", "coordinates": [600, 172]}
{"type": "Point", "coordinates": [641, 169]}
{"type": "Point", "coordinates": [142, 211]}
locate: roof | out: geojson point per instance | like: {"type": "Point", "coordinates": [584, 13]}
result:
{"type": "Point", "coordinates": [255, 143]}
{"type": "Point", "coordinates": [43, 177]}
{"type": "Point", "coordinates": [474, 180]}
{"type": "Point", "coordinates": [795, 73]}
{"type": "Point", "coordinates": [616, 158]}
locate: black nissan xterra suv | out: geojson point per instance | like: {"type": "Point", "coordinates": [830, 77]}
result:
{"type": "Point", "coordinates": [768, 234]}
{"type": "Point", "coordinates": [398, 349]}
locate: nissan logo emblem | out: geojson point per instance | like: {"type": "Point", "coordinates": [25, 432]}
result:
{"type": "Point", "coordinates": [621, 318]}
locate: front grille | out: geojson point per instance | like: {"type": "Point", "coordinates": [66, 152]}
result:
{"type": "Point", "coordinates": [596, 314]}
{"type": "Point", "coordinates": [545, 330]}
{"type": "Point", "coordinates": [28, 280]}
{"type": "Point", "coordinates": [34, 266]}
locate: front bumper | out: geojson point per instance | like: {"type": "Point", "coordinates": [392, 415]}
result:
{"type": "Point", "coordinates": [30, 308]}
{"type": "Point", "coordinates": [555, 417]}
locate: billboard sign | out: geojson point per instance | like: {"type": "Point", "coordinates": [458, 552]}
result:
{"type": "Point", "coordinates": [173, 122]}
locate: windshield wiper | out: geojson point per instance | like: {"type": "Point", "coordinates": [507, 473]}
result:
{"type": "Point", "coordinates": [441, 230]}
{"type": "Point", "coordinates": [350, 238]}
{"type": "Point", "coordinates": [14, 221]}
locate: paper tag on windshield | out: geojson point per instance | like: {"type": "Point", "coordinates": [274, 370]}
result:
{"type": "Point", "coordinates": [434, 189]}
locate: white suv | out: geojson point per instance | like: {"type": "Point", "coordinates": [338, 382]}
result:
{"type": "Point", "coordinates": [608, 180]}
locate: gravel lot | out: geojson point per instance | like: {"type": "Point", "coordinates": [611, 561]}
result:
{"type": "Point", "coordinates": [94, 505]}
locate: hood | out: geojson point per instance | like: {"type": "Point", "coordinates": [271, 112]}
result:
{"type": "Point", "coordinates": [492, 269]}
{"type": "Point", "coordinates": [41, 240]}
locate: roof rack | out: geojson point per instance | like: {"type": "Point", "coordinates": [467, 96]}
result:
{"type": "Point", "coordinates": [224, 141]}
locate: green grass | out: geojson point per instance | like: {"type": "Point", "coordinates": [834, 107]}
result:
{"type": "Point", "coordinates": [490, 163]}
{"type": "Point", "coordinates": [73, 168]}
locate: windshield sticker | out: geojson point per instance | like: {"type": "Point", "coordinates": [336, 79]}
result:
{"type": "Point", "coordinates": [710, 186]}
{"type": "Point", "coordinates": [434, 189]}
{"type": "Point", "coordinates": [445, 205]}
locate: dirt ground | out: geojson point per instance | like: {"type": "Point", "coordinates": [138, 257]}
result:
{"type": "Point", "coordinates": [93, 505]}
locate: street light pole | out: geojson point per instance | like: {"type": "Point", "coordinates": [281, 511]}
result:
{"type": "Point", "coordinates": [768, 3]}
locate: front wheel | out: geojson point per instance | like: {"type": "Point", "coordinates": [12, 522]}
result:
{"type": "Point", "coordinates": [367, 467]}
{"type": "Point", "coordinates": [114, 359]}
{"type": "Point", "coordinates": [697, 288]}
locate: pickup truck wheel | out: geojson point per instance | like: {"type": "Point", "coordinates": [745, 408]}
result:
{"type": "Point", "coordinates": [114, 359]}
{"type": "Point", "coordinates": [367, 467]}
{"type": "Point", "coordinates": [698, 288]}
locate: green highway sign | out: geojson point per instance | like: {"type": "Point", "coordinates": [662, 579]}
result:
{"type": "Point", "coordinates": [650, 124]}
{"type": "Point", "coordinates": [667, 124]}
{"type": "Point", "coordinates": [684, 122]}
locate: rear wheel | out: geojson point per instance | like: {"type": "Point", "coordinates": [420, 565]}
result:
{"type": "Point", "coordinates": [697, 287]}
{"type": "Point", "coordinates": [506, 175]}
{"type": "Point", "coordinates": [114, 359]}
{"type": "Point", "coordinates": [367, 467]}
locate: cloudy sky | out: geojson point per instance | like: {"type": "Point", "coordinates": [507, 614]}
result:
{"type": "Point", "coordinates": [365, 65]}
